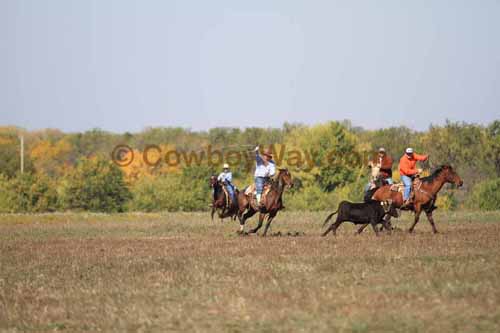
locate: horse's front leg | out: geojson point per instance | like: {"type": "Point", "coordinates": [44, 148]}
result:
{"type": "Point", "coordinates": [418, 210]}
{"type": "Point", "coordinates": [212, 212]}
{"type": "Point", "coordinates": [261, 220]}
{"type": "Point", "coordinates": [269, 220]}
{"type": "Point", "coordinates": [431, 221]}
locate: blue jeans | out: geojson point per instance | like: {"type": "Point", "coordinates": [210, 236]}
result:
{"type": "Point", "coordinates": [407, 182]}
{"type": "Point", "coordinates": [230, 190]}
{"type": "Point", "coordinates": [259, 184]}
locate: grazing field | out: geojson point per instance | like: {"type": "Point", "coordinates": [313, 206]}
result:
{"type": "Point", "coordinates": [168, 272]}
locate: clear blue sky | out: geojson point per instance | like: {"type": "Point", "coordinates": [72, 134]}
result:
{"type": "Point", "coordinates": [124, 65]}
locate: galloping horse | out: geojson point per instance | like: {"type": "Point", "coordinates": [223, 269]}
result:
{"type": "Point", "coordinates": [273, 202]}
{"type": "Point", "coordinates": [221, 203]}
{"type": "Point", "coordinates": [424, 194]}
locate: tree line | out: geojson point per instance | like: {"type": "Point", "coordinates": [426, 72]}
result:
{"type": "Point", "coordinates": [76, 171]}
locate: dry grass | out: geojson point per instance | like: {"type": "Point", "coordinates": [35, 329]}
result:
{"type": "Point", "coordinates": [147, 272]}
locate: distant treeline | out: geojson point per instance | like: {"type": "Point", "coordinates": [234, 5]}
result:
{"type": "Point", "coordinates": [167, 168]}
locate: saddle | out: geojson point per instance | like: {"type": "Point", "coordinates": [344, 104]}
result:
{"type": "Point", "coordinates": [400, 187]}
{"type": "Point", "coordinates": [250, 192]}
{"type": "Point", "coordinates": [229, 200]}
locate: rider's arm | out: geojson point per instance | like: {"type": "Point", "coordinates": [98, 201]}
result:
{"type": "Point", "coordinates": [258, 158]}
{"type": "Point", "coordinates": [420, 157]}
{"type": "Point", "coordinates": [221, 176]}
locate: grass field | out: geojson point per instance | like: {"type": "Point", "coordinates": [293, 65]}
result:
{"type": "Point", "coordinates": [172, 272]}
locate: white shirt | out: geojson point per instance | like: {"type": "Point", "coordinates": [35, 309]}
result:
{"type": "Point", "coordinates": [263, 170]}
{"type": "Point", "coordinates": [225, 176]}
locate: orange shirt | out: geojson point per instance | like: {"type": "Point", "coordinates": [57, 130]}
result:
{"type": "Point", "coordinates": [408, 166]}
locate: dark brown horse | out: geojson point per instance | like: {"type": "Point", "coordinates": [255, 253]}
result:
{"type": "Point", "coordinates": [424, 194]}
{"type": "Point", "coordinates": [220, 202]}
{"type": "Point", "coordinates": [272, 203]}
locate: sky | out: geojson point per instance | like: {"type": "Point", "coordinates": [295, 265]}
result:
{"type": "Point", "coordinates": [127, 65]}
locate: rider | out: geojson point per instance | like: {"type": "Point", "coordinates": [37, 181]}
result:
{"type": "Point", "coordinates": [408, 171]}
{"type": "Point", "coordinates": [385, 162]}
{"type": "Point", "coordinates": [264, 170]}
{"type": "Point", "coordinates": [226, 178]}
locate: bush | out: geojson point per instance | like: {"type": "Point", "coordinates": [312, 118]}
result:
{"type": "Point", "coordinates": [27, 193]}
{"type": "Point", "coordinates": [95, 184]}
{"type": "Point", "coordinates": [170, 192]}
{"type": "Point", "coordinates": [485, 195]}
{"type": "Point", "coordinates": [446, 201]}
{"type": "Point", "coordinates": [310, 198]}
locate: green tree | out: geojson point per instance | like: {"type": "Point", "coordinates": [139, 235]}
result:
{"type": "Point", "coordinates": [27, 193]}
{"type": "Point", "coordinates": [10, 158]}
{"type": "Point", "coordinates": [332, 148]}
{"type": "Point", "coordinates": [493, 145]}
{"type": "Point", "coordinates": [96, 184]}
{"type": "Point", "coordinates": [485, 195]}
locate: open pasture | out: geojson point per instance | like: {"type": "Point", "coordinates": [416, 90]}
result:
{"type": "Point", "coordinates": [181, 271]}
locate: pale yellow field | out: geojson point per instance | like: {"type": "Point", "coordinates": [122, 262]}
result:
{"type": "Point", "coordinates": [174, 272]}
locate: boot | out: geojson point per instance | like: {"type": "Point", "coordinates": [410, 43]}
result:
{"type": "Point", "coordinates": [406, 204]}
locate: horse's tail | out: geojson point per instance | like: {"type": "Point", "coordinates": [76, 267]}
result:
{"type": "Point", "coordinates": [329, 217]}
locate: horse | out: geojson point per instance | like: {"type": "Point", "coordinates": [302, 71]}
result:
{"type": "Point", "coordinates": [424, 194]}
{"type": "Point", "coordinates": [273, 202]}
{"type": "Point", "coordinates": [220, 202]}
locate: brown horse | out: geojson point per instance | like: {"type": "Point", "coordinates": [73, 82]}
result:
{"type": "Point", "coordinates": [272, 204]}
{"type": "Point", "coordinates": [424, 195]}
{"type": "Point", "coordinates": [220, 202]}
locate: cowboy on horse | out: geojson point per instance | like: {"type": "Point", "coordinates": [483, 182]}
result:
{"type": "Point", "coordinates": [226, 177]}
{"type": "Point", "coordinates": [264, 170]}
{"type": "Point", "coordinates": [381, 167]}
{"type": "Point", "coordinates": [408, 171]}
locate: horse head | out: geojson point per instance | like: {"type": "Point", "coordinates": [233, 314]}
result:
{"type": "Point", "coordinates": [451, 175]}
{"type": "Point", "coordinates": [285, 176]}
{"type": "Point", "coordinates": [213, 181]}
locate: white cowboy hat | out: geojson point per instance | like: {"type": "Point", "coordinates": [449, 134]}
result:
{"type": "Point", "coordinates": [381, 150]}
{"type": "Point", "coordinates": [225, 166]}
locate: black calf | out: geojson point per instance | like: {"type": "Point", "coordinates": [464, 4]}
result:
{"type": "Point", "coordinates": [372, 212]}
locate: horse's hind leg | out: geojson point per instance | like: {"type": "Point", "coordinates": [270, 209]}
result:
{"type": "Point", "coordinates": [268, 223]}
{"type": "Point", "coordinates": [243, 217]}
{"type": "Point", "coordinates": [261, 220]}
{"type": "Point", "coordinates": [431, 221]}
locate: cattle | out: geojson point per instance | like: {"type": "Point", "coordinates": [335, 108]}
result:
{"type": "Point", "coordinates": [372, 212]}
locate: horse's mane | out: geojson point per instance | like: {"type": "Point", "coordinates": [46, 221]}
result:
{"type": "Point", "coordinates": [275, 180]}
{"type": "Point", "coordinates": [435, 173]}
